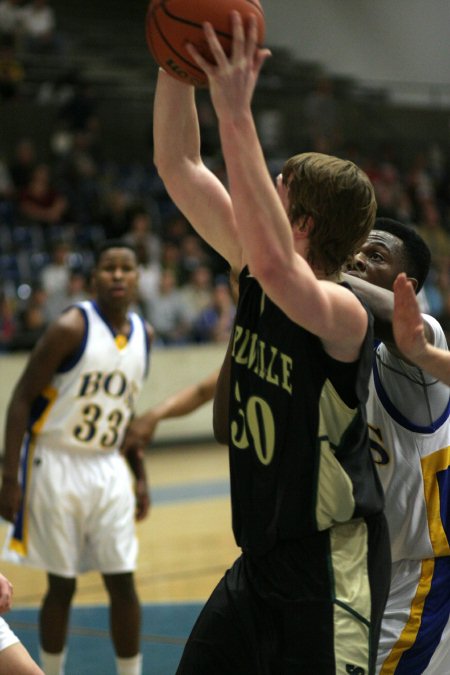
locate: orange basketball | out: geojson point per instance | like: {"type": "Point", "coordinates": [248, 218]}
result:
{"type": "Point", "coordinates": [172, 23]}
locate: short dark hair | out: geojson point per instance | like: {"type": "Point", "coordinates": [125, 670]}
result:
{"type": "Point", "coordinates": [106, 244]}
{"type": "Point", "coordinates": [416, 252]}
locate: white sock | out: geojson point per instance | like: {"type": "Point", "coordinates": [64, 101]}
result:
{"type": "Point", "coordinates": [53, 664]}
{"type": "Point", "coordinates": [132, 666]}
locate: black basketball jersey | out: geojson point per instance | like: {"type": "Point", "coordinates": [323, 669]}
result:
{"type": "Point", "coordinates": [299, 447]}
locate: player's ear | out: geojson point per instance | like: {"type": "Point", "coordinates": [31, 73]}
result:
{"type": "Point", "coordinates": [302, 227]}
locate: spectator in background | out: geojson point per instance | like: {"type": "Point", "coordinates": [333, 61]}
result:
{"type": "Point", "coordinates": [55, 275]}
{"type": "Point", "coordinates": [321, 112]}
{"type": "Point", "coordinates": [40, 202]}
{"type": "Point", "coordinates": [140, 232]}
{"type": "Point", "coordinates": [11, 70]}
{"type": "Point", "coordinates": [197, 293]}
{"type": "Point", "coordinates": [215, 322]}
{"type": "Point", "coordinates": [115, 213]}
{"type": "Point", "coordinates": [32, 320]}
{"type": "Point", "coordinates": [78, 171]}
{"type": "Point", "coordinates": [193, 254]}
{"type": "Point", "coordinates": [74, 291]}
{"type": "Point", "coordinates": [149, 276]}
{"type": "Point", "coordinates": [39, 28]}
{"type": "Point", "coordinates": [167, 313]}
{"type": "Point", "coordinates": [7, 322]}
{"type": "Point", "coordinates": [10, 19]}
{"type": "Point", "coordinates": [171, 258]}
{"type": "Point", "coordinates": [6, 190]}
{"type": "Point", "coordinates": [79, 111]}
{"type": "Point", "coordinates": [23, 163]}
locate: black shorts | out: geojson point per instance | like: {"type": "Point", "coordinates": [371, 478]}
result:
{"type": "Point", "coordinates": [309, 607]}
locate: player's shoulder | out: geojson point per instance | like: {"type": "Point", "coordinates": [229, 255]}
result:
{"type": "Point", "coordinates": [139, 320]}
{"type": "Point", "coordinates": [436, 330]}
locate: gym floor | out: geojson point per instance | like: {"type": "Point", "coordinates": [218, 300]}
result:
{"type": "Point", "coordinates": [186, 544]}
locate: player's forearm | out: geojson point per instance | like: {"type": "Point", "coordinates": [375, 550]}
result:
{"type": "Point", "coordinates": [434, 361]}
{"type": "Point", "coordinates": [135, 460]}
{"type": "Point", "coordinates": [175, 125]}
{"type": "Point", "coordinates": [182, 403]}
{"type": "Point", "coordinates": [264, 230]}
{"type": "Point", "coordinates": [15, 428]}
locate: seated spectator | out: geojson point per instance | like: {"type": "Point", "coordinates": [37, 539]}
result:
{"type": "Point", "coordinates": [39, 201]}
{"type": "Point", "coordinates": [10, 19]}
{"type": "Point", "coordinates": [215, 322]}
{"type": "Point", "coordinates": [6, 184]}
{"type": "Point", "coordinates": [140, 231]}
{"type": "Point", "coordinates": [78, 174]}
{"type": "Point", "coordinates": [167, 314]}
{"type": "Point", "coordinates": [32, 320]}
{"type": "Point", "coordinates": [23, 163]}
{"type": "Point", "coordinates": [74, 291]}
{"type": "Point", "coordinates": [198, 292]}
{"type": "Point", "coordinates": [7, 322]}
{"type": "Point", "coordinates": [39, 28]}
{"type": "Point", "coordinates": [193, 254]}
{"type": "Point", "coordinates": [54, 277]}
{"type": "Point", "coordinates": [11, 71]}
{"type": "Point", "coordinates": [149, 276]}
{"type": "Point", "coordinates": [171, 258]}
{"type": "Point", "coordinates": [78, 112]}
{"type": "Point", "coordinates": [115, 212]}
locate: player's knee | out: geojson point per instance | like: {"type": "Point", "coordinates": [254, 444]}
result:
{"type": "Point", "coordinates": [61, 589]}
{"type": "Point", "coordinates": [121, 587]}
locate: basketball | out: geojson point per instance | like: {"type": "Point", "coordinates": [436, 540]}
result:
{"type": "Point", "coordinates": [170, 24]}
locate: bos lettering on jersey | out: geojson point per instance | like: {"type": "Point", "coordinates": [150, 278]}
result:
{"type": "Point", "coordinates": [114, 384]}
{"type": "Point", "coordinates": [91, 402]}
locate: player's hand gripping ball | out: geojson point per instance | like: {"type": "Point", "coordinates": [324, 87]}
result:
{"type": "Point", "coordinates": [170, 24]}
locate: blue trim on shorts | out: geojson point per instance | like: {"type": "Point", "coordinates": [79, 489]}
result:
{"type": "Point", "coordinates": [18, 531]}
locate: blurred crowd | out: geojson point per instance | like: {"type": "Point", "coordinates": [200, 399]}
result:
{"type": "Point", "coordinates": [55, 209]}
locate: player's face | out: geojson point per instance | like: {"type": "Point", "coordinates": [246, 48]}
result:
{"type": "Point", "coordinates": [116, 276]}
{"type": "Point", "coordinates": [379, 260]}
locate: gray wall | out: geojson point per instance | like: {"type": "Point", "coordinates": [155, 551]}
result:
{"type": "Point", "coordinates": [391, 40]}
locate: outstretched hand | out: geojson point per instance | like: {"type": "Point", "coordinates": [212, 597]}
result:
{"type": "Point", "coordinates": [232, 79]}
{"type": "Point", "coordinates": [6, 594]}
{"type": "Point", "coordinates": [407, 323]}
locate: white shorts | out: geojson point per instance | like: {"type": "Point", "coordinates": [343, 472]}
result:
{"type": "Point", "coordinates": [415, 633]}
{"type": "Point", "coordinates": [79, 514]}
{"type": "Point", "coordinates": [7, 637]}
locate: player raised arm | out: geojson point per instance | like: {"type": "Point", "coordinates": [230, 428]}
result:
{"type": "Point", "coordinates": [274, 248]}
{"type": "Point", "coordinates": [195, 190]}
{"type": "Point", "coordinates": [142, 428]}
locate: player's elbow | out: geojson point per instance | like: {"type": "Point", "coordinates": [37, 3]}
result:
{"type": "Point", "coordinates": [266, 270]}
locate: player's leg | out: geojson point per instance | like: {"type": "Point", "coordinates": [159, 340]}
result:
{"type": "Point", "coordinates": [125, 613]}
{"type": "Point", "coordinates": [113, 547]}
{"type": "Point", "coordinates": [125, 621]}
{"type": "Point", "coordinates": [54, 621]}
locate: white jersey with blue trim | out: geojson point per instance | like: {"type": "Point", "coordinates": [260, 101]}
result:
{"type": "Point", "coordinates": [89, 401]}
{"type": "Point", "coordinates": [409, 417]}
